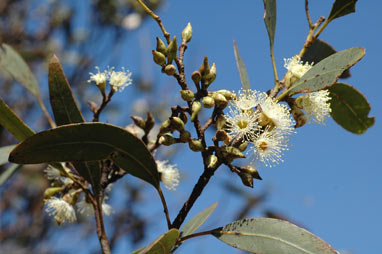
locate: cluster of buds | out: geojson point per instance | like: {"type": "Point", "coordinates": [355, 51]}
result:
{"type": "Point", "coordinates": [163, 53]}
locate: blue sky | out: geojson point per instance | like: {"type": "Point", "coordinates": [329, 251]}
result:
{"type": "Point", "coordinates": [330, 180]}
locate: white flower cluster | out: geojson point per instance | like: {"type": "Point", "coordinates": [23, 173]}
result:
{"type": "Point", "coordinates": [169, 174]}
{"type": "Point", "coordinates": [296, 67]}
{"type": "Point", "coordinates": [262, 122]}
{"type": "Point", "coordinates": [118, 80]}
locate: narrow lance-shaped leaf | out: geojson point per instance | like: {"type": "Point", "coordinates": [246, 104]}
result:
{"type": "Point", "coordinates": [326, 72]}
{"type": "Point", "coordinates": [270, 19]}
{"type": "Point", "coordinates": [15, 65]}
{"type": "Point", "coordinates": [242, 69]}
{"type": "Point", "coordinates": [341, 8]}
{"type": "Point", "coordinates": [4, 153]}
{"type": "Point", "coordinates": [318, 51]}
{"type": "Point", "coordinates": [12, 123]}
{"type": "Point", "coordinates": [270, 236]}
{"type": "Point", "coordinates": [198, 220]}
{"type": "Point", "coordinates": [350, 108]}
{"type": "Point", "coordinates": [65, 111]}
{"type": "Point", "coordinates": [162, 245]}
{"type": "Point", "coordinates": [89, 142]}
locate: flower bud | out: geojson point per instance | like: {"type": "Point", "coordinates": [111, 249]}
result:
{"type": "Point", "coordinates": [211, 161]}
{"type": "Point", "coordinates": [211, 76]}
{"type": "Point", "coordinates": [159, 58]}
{"type": "Point", "coordinates": [204, 69]}
{"type": "Point", "coordinates": [51, 191]}
{"type": "Point", "coordinates": [220, 100]}
{"type": "Point", "coordinates": [187, 95]}
{"type": "Point", "coordinates": [232, 152]}
{"type": "Point", "coordinates": [195, 145]}
{"type": "Point", "coordinates": [208, 102]}
{"type": "Point", "coordinates": [252, 171]}
{"type": "Point", "coordinates": [246, 179]}
{"type": "Point", "coordinates": [165, 127]}
{"type": "Point", "coordinates": [222, 136]}
{"type": "Point", "coordinates": [187, 33]}
{"type": "Point", "coordinates": [185, 136]}
{"type": "Point", "coordinates": [177, 123]}
{"type": "Point", "coordinates": [195, 109]}
{"type": "Point", "coordinates": [139, 121]}
{"type": "Point", "coordinates": [227, 94]}
{"type": "Point", "coordinates": [167, 140]}
{"type": "Point", "coordinates": [161, 47]}
{"type": "Point", "coordinates": [220, 122]}
{"type": "Point", "coordinates": [196, 77]}
{"type": "Point", "coordinates": [243, 146]}
{"type": "Point", "coordinates": [150, 121]}
{"type": "Point", "coordinates": [171, 50]}
{"type": "Point", "coordinates": [170, 69]}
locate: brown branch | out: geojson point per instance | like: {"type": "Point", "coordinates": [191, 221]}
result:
{"type": "Point", "coordinates": [104, 242]}
{"type": "Point", "coordinates": [105, 101]}
{"type": "Point", "coordinates": [308, 15]}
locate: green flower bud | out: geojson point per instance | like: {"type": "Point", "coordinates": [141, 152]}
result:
{"type": "Point", "coordinates": [185, 136]}
{"type": "Point", "coordinates": [208, 102]}
{"type": "Point", "coordinates": [227, 94]}
{"type": "Point", "coordinates": [210, 77]}
{"type": "Point", "coordinates": [167, 140]}
{"type": "Point", "coordinates": [150, 121]}
{"type": "Point", "coordinates": [51, 191]}
{"type": "Point", "coordinates": [177, 123]}
{"type": "Point", "coordinates": [139, 121]}
{"type": "Point", "coordinates": [195, 145]}
{"type": "Point", "coordinates": [161, 47]}
{"type": "Point", "coordinates": [196, 77]}
{"type": "Point", "coordinates": [170, 69]}
{"type": "Point", "coordinates": [172, 50]}
{"type": "Point", "coordinates": [195, 109]}
{"type": "Point", "coordinates": [220, 100]}
{"type": "Point", "coordinates": [187, 95]}
{"type": "Point", "coordinates": [211, 161]}
{"type": "Point", "coordinates": [252, 171]}
{"type": "Point", "coordinates": [232, 152]}
{"type": "Point", "coordinates": [165, 127]}
{"type": "Point", "coordinates": [204, 69]}
{"type": "Point", "coordinates": [220, 122]}
{"type": "Point", "coordinates": [246, 179]}
{"type": "Point", "coordinates": [243, 146]}
{"type": "Point", "coordinates": [159, 58]}
{"type": "Point", "coordinates": [187, 33]}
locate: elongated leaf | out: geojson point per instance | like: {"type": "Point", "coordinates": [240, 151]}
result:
{"type": "Point", "coordinates": [12, 123]}
{"type": "Point", "coordinates": [89, 142]}
{"type": "Point", "coordinates": [4, 153]}
{"type": "Point", "coordinates": [198, 220]}
{"type": "Point", "coordinates": [318, 51]}
{"type": "Point", "coordinates": [350, 108]}
{"type": "Point", "coordinates": [326, 72]}
{"type": "Point", "coordinates": [242, 69]}
{"type": "Point", "coordinates": [341, 8]}
{"type": "Point", "coordinates": [7, 173]}
{"type": "Point", "coordinates": [270, 19]}
{"type": "Point", "coordinates": [15, 65]}
{"type": "Point", "coordinates": [163, 244]}
{"type": "Point", "coordinates": [64, 106]}
{"type": "Point", "coordinates": [270, 236]}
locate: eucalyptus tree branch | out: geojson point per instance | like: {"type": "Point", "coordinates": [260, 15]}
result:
{"type": "Point", "coordinates": [105, 100]}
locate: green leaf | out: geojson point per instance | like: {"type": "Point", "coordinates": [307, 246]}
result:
{"type": "Point", "coordinates": [89, 142]}
{"type": "Point", "coordinates": [12, 123]}
{"type": "Point", "coordinates": [350, 108]}
{"type": "Point", "coordinates": [326, 72]}
{"type": "Point", "coordinates": [193, 224]}
{"type": "Point", "coordinates": [163, 244]}
{"type": "Point", "coordinates": [8, 173]}
{"type": "Point", "coordinates": [270, 19]}
{"type": "Point", "coordinates": [270, 236]}
{"type": "Point", "coordinates": [318, 51]}
{"type": "Point", "coordinates": [64, 106]}
{"type": "Point", "coordinates": [341, 8]}
{"type": "Point", "coordinates": [242, 69]}
{"type": "Point", "coordinates": [15, 65]}
{"type": "Point", "coordinates": [4, 153]}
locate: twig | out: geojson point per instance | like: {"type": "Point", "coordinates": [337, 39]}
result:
{"type": "Point", "coordinates": [157, 19]}
{"type": "Point", "coordinates": [104, 242]}
{"type": "Point", "coordinates": [46, 113]}
{"type": "Point", "coordinates": [105, 101]}
{"type": "Point", "coordinates": [165, 209]}
{"type": "Point", "coordinates": [308, 15]}
{"type": "Point", "coordinates": [182, 239]}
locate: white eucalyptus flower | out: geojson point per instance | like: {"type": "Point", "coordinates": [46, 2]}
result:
{"type": "Point", "coordinates": [99, 78]}
{"type": "Point", "coordinates": [247, 99]}
{"type": "Point", "coordinates": [61, 210]}
{"type": "Point", "coordinates": [169, 174]}
{"type": "Point", "coordinates": [87, 209]}
{"type": "Point", "coordinates": [118, 80]}
{"type": "Point", "coordinates": [316, 105]}
{"type": "Point", "coordinates": [296, 67]}
{"type": "Point", "coordinates": [241, 123]}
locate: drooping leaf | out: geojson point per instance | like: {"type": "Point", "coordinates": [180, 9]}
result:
{"type": "Point", "coordinates": [8, 172]}
{"type": "Point", "coordinates": [341, 8]}
{"type": "Point", "coordinates": [270, 236]}
{"type": "Point", "coordinates": [198, 220]}
{"type": "Point", "coordinates": [270, 19]}
{"type": "Point", "coordinates": [326, 72]}
{"type": "Point", "coordinates": [4, 153]}
{"type": "Point", "coordinates": [15, 65]}
{"type": "Point", "coordinates": [162, 245]}
{"type": "Point", "coordinates": [242, 69]}
{"type": "Point", "coordinates": [89, 142]}
{"type": "Point", "coordinates": [64, 106]}
{"type": "Point", "coordinates": [12, 123]}
{"type": "Point", "coordinates": [318, 51]}
{"type": "Point", "coordinates": [350, 108]}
